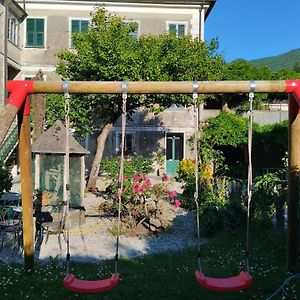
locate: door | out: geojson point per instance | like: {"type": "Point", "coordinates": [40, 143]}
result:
{"type": "Point", "coordinates": [174, 152]}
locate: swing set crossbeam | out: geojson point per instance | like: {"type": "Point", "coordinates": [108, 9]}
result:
{"type": "Point", "coordinates": [155, 87]}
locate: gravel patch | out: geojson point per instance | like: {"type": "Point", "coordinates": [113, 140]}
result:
{"type": "Point", "coordinates": [92, 242]}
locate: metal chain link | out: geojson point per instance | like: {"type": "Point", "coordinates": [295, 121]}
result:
{"type": "Point", "coordinates": [250, 175]}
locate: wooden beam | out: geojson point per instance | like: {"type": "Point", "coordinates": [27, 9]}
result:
{"type": "Point", "coordinates": [159, 87]}
{"type": "Point", "coordinates": [293, 185]}
{"type": "Point", "coordinates": [26, 189]}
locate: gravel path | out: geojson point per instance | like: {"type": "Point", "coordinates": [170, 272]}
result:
{"type": "Point", "coordinates": [92, 242]}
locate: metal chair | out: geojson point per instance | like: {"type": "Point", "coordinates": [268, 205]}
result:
{"type": "Point", "coordinates": [10, 226]}
{"type": "Point", "coordinates": [56, 227]}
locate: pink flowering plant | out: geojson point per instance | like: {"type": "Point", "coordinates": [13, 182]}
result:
{"type": "Point", "coordinates": [141, 199]}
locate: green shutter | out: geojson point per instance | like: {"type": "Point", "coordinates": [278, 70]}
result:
{"type": "Point", "coordinates": [84, 25]}
{"type": "Point", "coordinates": [35, 32]}
{"type": "Point", "coordinates": [30, 25]}
{"type": "Point", "coordinates": [172, 28]}
{"type": "Point", "coordinates": [75, 26]}
{"type": "Point", "coordinates": [39, 39]}
{"type": "Point", "coordinates": [78, 26]}
{"type": "Point", "coordinates": [181, 30]}
{"type": "Point", "coordinates": [29, 39]}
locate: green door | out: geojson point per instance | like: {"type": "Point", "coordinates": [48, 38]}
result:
{"type": "Point", "coordinates": [174, 152]}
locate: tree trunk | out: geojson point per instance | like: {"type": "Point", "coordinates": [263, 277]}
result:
{"type": "Point", "coordinates": [225, 103]}
{"type": "Point", "coordinates": [91, 186]}
{"type": "Point", "coordinates": [38, 105]}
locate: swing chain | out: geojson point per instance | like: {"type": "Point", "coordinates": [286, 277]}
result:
{"type": "Point", "coordinates": [121, 174]}
{"type": "Point", "coordinates": [66, 195]}
{"type": "Point", "coordinates": [195, 89]}
{"type": "Point", "coordinates": [196, 170]}
{"type": "Point", "coordinates": [195, 97]}
{"type": "Point", "coordinates": [250, 175]}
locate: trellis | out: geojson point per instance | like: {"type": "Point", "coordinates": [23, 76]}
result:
{"type": "Point", "coordinates": [19, 103]}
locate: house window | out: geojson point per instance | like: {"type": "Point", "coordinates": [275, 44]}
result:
{"type": "Point", "coordinates": [136, 30]}
{"type": "Point", "coordinates": [127, 144]}
{"type": "Point", "coordinates": [31, 77]}
{"type": "Point", "coordinates": [13, 29]}
{"type": "Point", "coordinates": [178, 28]}
{"type": "Point", "coordinates": [35, 32]}
{"type": "Point", "coordinates": [78, 26]}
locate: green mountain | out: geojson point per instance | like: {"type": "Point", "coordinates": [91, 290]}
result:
{"type": "Point", "coordinates": [283, 61]}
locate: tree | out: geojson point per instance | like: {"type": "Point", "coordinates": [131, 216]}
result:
{"type": "Point", "coordinates": [296, 67]}
{"type": "Point", "coordinates": [108, 52]}
{"type": "Point", "coordinates": [224, 143]}
{"type": "Point", "coordinates": [38, 104]}
{"type": "Point", "coordinates": [243, 70]}
{"type": "Point", "coordinates": [282, 74]}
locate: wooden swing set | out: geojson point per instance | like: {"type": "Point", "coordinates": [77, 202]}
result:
{"type": "Point", "coordinates": [19, 103]}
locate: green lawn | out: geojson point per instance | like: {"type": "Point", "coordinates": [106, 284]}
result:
{"type": "Point", "coordinates": [165, 276]}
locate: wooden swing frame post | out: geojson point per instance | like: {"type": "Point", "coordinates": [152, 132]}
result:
{"type": "Point", "coordinates": [293, 184]}
{"type": "Point", "coordinates": [20, 89]}
{"type": "Point", "coordinates": [26, 184]}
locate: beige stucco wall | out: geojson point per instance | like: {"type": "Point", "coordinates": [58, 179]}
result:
{"type": "Point", "coordinates": [152, 19]}
{"type": "Point", "coordinates": [14, 54]}
{"type": "Point", "coordinates": [58, 32]}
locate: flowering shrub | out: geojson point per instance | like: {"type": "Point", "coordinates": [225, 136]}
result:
{"type": "Point", "coordinates": [141, 199]}
{"type": "Point", "coordinates": [186, 169]}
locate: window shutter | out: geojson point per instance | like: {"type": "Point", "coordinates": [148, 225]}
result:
{"type": "Point", "coordinates": [181, 30]}
{"type": "Point", "coordinates": [172, 28]}
{"type": "Point", "coordinates": [29, 39]}
{"type": "Point", "coordinates": [30, 25]}
{"type": "Point", "coordinates": [75, 26]}
{"type": "Point", "coordinates": [40, 32]}
{"type": "Point", "coordinates": [35, 32]}
{"type": "Point", "coordinates": [84, 25]}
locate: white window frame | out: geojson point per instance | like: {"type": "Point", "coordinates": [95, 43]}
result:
{"type": "Point", "coordinates": [13, 28]}
{"type": "Point", "coordinates": [70, 28]}
{"type": "Point", "coordinates": [45, 32]}
{"type": "Point", "coordinates": [30, 77]}
{"type": "Point", "coordinates": [138, 32]}
{"type": "Point", "coordinates": [185, 23]}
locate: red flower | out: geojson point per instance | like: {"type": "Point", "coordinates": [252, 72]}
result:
{"type": "Point", "coordinates": [136, 177]}
{"type": "Point", "coordinates": [173, 194]}
{"type": "Point", "coordinates": [165, 177]}
{"type": "Point", "coordinates": [177, 203]}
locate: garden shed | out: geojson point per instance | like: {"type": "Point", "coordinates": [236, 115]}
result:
{"type": "Point", "coordinates": [49, 155]}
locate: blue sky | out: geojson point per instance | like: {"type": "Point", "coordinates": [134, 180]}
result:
{"type": "Point", "coordinates": [252, 29]}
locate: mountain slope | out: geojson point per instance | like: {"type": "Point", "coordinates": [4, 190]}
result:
{"type": "Point", "coordinates": [286, 60]}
